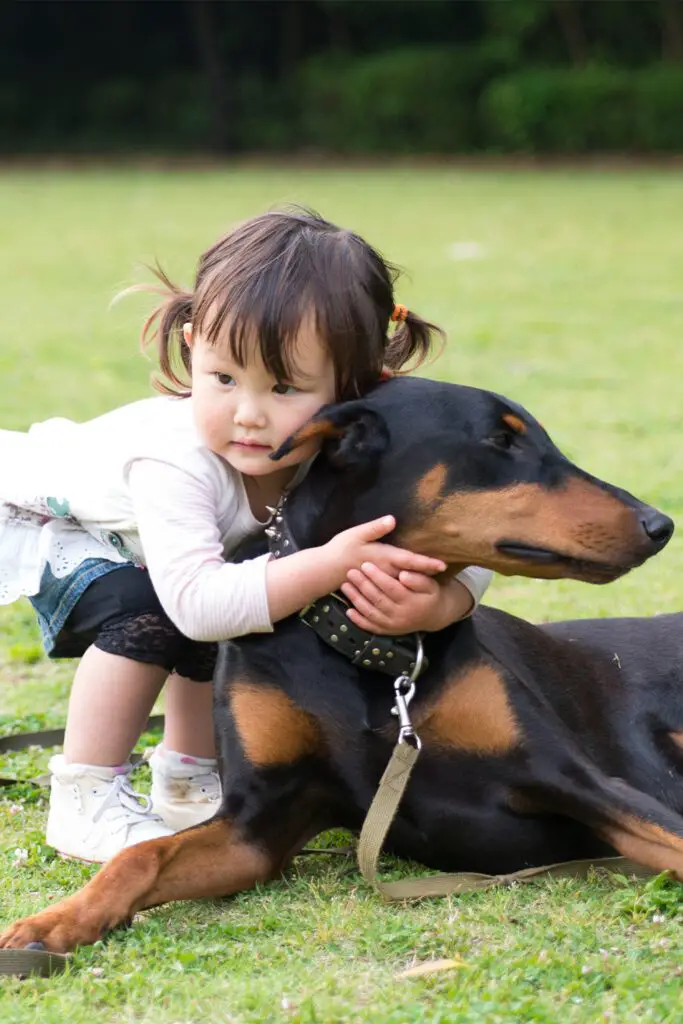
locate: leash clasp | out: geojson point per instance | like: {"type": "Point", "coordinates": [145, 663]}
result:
{"type": "Point", "coordinates": [404, 691]}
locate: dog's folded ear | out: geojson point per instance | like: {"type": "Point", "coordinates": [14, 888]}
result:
{"type": "Point", "coordinates": [351, 433]}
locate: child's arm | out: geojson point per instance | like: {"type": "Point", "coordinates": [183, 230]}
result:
{"type": "Point", "coordinates": [208, 598]}
{"type": "Point", "coordinates": [297, 580]}
{"type": "Point", "coordinates": [413, 602]}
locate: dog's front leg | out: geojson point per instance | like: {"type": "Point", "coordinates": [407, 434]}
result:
{"type": "Point", "coordinates": [636, 824]}
{"type": "Point", "coordinates": [209, 860]}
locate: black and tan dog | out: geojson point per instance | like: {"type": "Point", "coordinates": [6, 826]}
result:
{"type": "Point", "coordinates": [567, 744]}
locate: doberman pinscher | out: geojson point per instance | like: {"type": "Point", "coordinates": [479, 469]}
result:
{"type": "Point", "coordinates": [567, 744]}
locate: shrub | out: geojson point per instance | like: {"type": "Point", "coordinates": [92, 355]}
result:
{"type": "Point", "coordinates": [560, 110]}
{"type": "Point", "coordinates": [658, 108]}
{"type": "Point", "coordinates": [402, 101]}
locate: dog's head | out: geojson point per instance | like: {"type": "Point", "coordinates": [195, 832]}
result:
{"type": "Point", "coordinates": [473, 479]}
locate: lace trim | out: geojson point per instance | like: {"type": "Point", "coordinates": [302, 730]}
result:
{"type": "Point", "coordinates": [28, 544]}
{"type": "Point", "coordinates": [153, 639]}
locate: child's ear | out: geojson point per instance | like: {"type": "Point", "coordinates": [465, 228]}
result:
{"type": "Point", "coordinates": [351, 433]}
{"type": "Point", "coordinates": [187, 334]}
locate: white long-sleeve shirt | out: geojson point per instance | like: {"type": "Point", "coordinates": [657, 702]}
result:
{"type": "Point", "coordinates": [138, 485]}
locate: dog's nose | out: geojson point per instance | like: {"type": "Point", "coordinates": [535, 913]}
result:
{"type": "Point", "coordinates": [658, 527]}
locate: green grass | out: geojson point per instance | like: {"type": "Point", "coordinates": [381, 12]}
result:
{"type": "Point", "coordinates": [575, 308]}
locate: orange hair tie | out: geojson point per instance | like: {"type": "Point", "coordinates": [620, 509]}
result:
{"type": "Point", "coordinates": [400, 312]}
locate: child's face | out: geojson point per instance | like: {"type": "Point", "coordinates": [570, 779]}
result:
{"type": "Point", "coordinates": [244, 414]}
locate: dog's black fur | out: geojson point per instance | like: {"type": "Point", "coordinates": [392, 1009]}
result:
{"type": "Point", "coordinates": [540, 743]}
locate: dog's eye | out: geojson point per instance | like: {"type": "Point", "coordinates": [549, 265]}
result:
{"type": "Point", "coordinates": [503, 440]}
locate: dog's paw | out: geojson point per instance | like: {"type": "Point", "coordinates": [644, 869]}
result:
{"type": "Point", "coordinates": [21, 935]}
{"type": "Point", "coordinates": [45, 931]}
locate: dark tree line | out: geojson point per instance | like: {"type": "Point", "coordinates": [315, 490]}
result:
{"type": "Point", "coordinates": [227, 73]}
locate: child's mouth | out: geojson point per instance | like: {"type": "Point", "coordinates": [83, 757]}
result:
{"type": "Point", "coordinates": [253, 446]}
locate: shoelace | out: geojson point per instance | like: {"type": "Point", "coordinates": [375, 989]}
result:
{"type": "Point", "coordinates": [121, 794]}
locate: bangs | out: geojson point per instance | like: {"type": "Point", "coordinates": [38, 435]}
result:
{"type": "Point", "coordinates": [256, 319]}
{"type": "Point", "coordinates": [313, 283]}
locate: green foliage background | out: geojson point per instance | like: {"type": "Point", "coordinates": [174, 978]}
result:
{"type": "Point", "coordinates": [342, 77]}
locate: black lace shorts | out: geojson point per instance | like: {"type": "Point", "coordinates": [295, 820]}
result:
{"type": "Point", "coordinates": [120, 613]}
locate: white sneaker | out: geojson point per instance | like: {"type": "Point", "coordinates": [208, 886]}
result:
{"type": "Point", "coordinates": [185, 790]}
{"type": "Point", "coordinates": [95, 812]}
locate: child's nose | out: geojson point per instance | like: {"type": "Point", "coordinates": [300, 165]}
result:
{"type": "Point", "coordinates": [248, 412]}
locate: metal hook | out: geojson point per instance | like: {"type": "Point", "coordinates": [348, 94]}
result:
{"type": "Point", "coordinates": [404, 691]}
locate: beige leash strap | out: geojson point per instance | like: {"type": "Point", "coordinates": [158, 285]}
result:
{"type": "Point", "coordinates": [382, 813]}
{"type": "Point", "coordinates": [26, 962]}
{"type": "Point", "coordinates": [51, 738]}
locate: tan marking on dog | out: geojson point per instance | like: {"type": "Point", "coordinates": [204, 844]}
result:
{"type": "Point", "coordinates": [272, 729]}
{"type": "Point", "coordinates": [318, 430]}
{"type": "Point", "coordinates": [514, 423]}
{"type": "Point", "coordinates": [474, 714]}
{"type": "Point", "coordinates": [219, 861]}
{"type": "Point", "coordinates": [430, 486]}
{"type": "Point", "coordinates": [646, 843]}
{"type": "Point", "coordinates": [677, 737]}
{"type": "Point", "coordinates": [578, 519]}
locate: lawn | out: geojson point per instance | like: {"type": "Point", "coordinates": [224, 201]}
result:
{"type": "Point", "coordinates": [562, 289]}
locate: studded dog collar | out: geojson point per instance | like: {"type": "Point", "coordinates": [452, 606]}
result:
{"type": "Point", "coordinates": [393, 655]}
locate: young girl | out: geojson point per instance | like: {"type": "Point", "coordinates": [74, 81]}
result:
{"type": "Point", "coordinates": [120, 530]}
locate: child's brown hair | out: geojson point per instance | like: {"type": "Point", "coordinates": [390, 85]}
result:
{"type": "Point", "coordinates": [264, 278]}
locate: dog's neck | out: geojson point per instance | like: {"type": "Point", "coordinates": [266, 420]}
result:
{"type": "Point", "coordinates": [329, 501]}
{"type": "Point", "coordinates": [320, 509]}
{"type": "Point", "coordinates": [310, 515]}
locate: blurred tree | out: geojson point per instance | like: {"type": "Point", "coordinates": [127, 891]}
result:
{"type": "Point", "coordinates": [291, 38]}
{"type": "Point", "coordinates": [518, 27]}
{"type": "Point", "coordinates": [205, 14]}
{"type": "Point", "coordinates": [672, 29]}
{"type": "Point", "coordinates": [569, 15]}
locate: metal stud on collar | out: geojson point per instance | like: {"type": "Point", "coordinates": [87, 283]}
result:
{"type": "Point", "coordinates": [275, 529]}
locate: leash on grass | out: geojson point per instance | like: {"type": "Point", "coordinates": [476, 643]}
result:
{"type": "Point", "coordinates": [382, 813]}
{"type": "Point", "coordinates": [50, 738]}
{"type": "Point", "coordinates": [33, 961]}
{"type": "Point", "coordinates": [385, 804]}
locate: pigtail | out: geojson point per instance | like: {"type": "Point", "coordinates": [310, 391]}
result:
{"type": "Point", "coordinates": [163, 329]}
{"type": "Point", "coordinates": [412, 341]}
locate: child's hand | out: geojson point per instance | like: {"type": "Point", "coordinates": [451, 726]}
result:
{"type": "Point", "coordinates": [358, 545]}
{"type": "Point", "coordinates": [306, 575]}
{"type": "Point", "coordinates": [412, 603]}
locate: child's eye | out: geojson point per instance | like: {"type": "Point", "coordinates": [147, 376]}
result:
{"type": "Point", "coordinates": [284, 389]}
{"type": "Point", "coordinates": [224, 378]}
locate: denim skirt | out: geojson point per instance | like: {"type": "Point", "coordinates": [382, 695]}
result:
{"type": "Point", "coordinates": [58, 597]}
